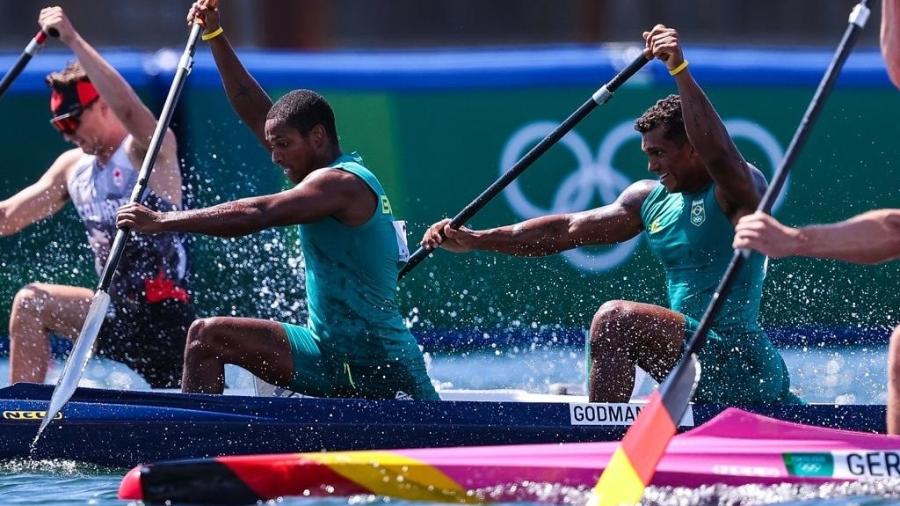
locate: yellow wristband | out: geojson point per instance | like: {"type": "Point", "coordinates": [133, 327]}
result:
{"type": "Point", "coordinates": [212, 35]}
{"type": "Point", "coordinates": [677, 70]}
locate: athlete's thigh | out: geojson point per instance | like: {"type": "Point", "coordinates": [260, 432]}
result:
{"type": "Point", "coordinates": [260, 346]}
{"type": "Point", "coordinates": [658, 337]}
{"type": "Point", "coordinates": [62, 308]}
{"type": "Point", "coordinates": [313, 374]}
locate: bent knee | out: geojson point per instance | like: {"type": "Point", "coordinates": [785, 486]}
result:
{"type": "Point", "coordinates": [614, 315]}
{"type": "Point", "coordinates": [31, 298]}
{"type": "Point", "coordinates": [609, 323]}
{"type": "Point", "coordinates": [205, 337]}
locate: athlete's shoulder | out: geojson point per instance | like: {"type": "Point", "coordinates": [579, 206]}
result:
{"type": "Point", "coordinates": [759, 179]}
{"type": "Point", "coordinates": [70, 156]}
{"type": "Point", "coordinates": [331, 179]}
{"type": "Point", "coordinates": [66, 162]}
{"type": "Point", "coordinates": [636, 193]}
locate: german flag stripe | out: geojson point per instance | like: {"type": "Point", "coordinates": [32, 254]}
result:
{"type": "Point", "coordinates": [633, 464]}
{"type": "Point", "coordinates": [268, 480]}
{"type": "Point", "coordinates": [201, 482]}
{"type": "Point", "coordinates": [394, 475]}
{"type": "Point", "coordinates": [646, 441]}
{"type": "Point", "coordinates": [619, 484]}
{"type": "Point", "coordinates": [631, 467]}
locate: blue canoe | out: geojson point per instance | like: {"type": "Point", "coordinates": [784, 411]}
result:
{"type": "Point", "coordinates": [125, 428]}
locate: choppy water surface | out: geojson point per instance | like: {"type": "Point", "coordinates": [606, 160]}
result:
{"type": "Point", "coordinates": [822, 375]}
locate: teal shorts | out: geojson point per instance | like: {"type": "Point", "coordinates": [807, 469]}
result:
{"type": "Point", "coordinates": [742, 369]}
{"type": "Point", "coordinates": [317, 375]}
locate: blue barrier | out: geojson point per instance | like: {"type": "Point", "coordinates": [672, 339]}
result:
{"type": "Point", "coordinates": [474, 68]}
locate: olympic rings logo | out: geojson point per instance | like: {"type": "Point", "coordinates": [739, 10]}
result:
{"type": "Point", "coordinates": [597, 176]}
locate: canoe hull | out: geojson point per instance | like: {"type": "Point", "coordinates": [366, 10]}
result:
{"type": "Point", "coordinates": [138, 427]}
{"type": "Point", "coordinates": [735, 448]}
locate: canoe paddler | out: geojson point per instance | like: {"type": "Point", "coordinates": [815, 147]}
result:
{"type": "Point", "coordinates": [704, 187]}
{"type": "Point", "coordinates": [95, 109]}
{"type": "Point", "coordinates": [356, 343]}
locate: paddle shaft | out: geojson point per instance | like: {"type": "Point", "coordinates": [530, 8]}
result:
{"type": "Point", "coordinates": [30, 50]}
{"type": "Point", "coordinates": [140, 188]}
{"type": "Point", "coordinates": [601, 96]}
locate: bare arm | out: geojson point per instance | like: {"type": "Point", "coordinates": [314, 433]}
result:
{"type": "Point", "coordinates": [40, 200]}
{"type": "Point", "coordinates": [890, 38]}
{"type": "Point", "coordinates": [125, 104]}
{"type": "Point", "coordinates": [323, 193]}
{"type": "Point", "coordinates": [246, 96]}
{"type": "Point", "coordinates": [552, 234]}
{"type": "Point", "coordinates": [869, 238]}
{"type": "Point", "coordinates": [735, 184]}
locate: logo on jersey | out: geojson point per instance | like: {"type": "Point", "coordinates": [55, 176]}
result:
{"type": "Point", "coordinates": [117, 177]}
{"type": "Point", "coordinates": [385, 205]}
{"type": "Point", "coordinates": [698, 212]}
{"type": "Point", "coordinates": [655, 226]}
{"type": "Point", "coordinates": [402, 396]}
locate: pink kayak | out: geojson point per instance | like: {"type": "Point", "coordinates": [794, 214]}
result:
{"type": "Point", "coordinates": [735, 448]}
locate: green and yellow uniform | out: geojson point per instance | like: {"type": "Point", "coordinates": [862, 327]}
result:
{"type": "Point", "coordinates": [356, 344]}
{"type": "Point", "coordinates": [692, 238]}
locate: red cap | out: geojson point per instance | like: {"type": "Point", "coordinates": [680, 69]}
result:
{"type": "Point", "coordinates": [72, 98]}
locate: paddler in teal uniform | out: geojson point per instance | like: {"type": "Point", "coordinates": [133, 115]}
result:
{"type": "Point", "coordinates": [687, 215]}
{"type": "Point", "coordinates": [355, 344]}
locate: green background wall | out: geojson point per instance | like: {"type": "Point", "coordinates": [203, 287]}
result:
{"type": "Point", "coordinates": [435, 149]}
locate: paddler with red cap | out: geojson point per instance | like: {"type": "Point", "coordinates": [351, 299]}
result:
{"type": "Point", "coordinates": [95, 109]}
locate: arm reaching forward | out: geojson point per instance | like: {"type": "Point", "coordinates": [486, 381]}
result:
{"type": "Point", "coordinates": [869, 238]}
{"type": "Point", "coordinates": [323, 193]}
{"type": "Point", "coordinates": [551, 234]}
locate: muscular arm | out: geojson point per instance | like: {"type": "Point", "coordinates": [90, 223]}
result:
{"type": "Point", "coordinates": [118, 94]}
{"type": "Point", "coordinates": [735, 184]}
{"type": "Point", "coordinates": [736, 190]}
{"type": "Point", "coordinates": [869, 238]}
{"type": "Point", "coordinates": [246, 96]}
{"type": "Point", "coordinates": [890, 38]}
{"type": "Point", "coordinates": [548, 235]}
{"type": "Point", "coordinates": [323, 193]}
{"type": "Point", "coordinates": [40, 200]}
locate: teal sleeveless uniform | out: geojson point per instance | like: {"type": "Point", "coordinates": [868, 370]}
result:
{"type": "Point", "coordinates": [692, 237]}
{"type": "Point", "coordinates": [356, 343]}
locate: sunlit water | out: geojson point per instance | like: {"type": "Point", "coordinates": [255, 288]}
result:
{"type": "Point", "coordinates": [855, 375]}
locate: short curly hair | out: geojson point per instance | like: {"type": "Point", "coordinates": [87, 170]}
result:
{"type": "Point", "coordinates": [667, 113]}
{"type": "Point", "coordinates": [73, 73]}
{"type": "Point", "coordinates": [304, 109]}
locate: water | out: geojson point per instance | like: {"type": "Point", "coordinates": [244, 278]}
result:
{"type": "Point", "coordinates": [855, 375]}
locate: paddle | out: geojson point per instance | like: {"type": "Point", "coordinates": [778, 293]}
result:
{"type": "Point", "coordinates": [30, 50]}
{"type": "Point", "coordinates": [634, 462]}
{"type": "Point", "coordinates": [601, 96]}
{"type": "Point", "coordinates": [84, 346]}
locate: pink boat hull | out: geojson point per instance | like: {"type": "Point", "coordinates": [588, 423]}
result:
{"type": "Point", "coordinates": [735, 448]}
